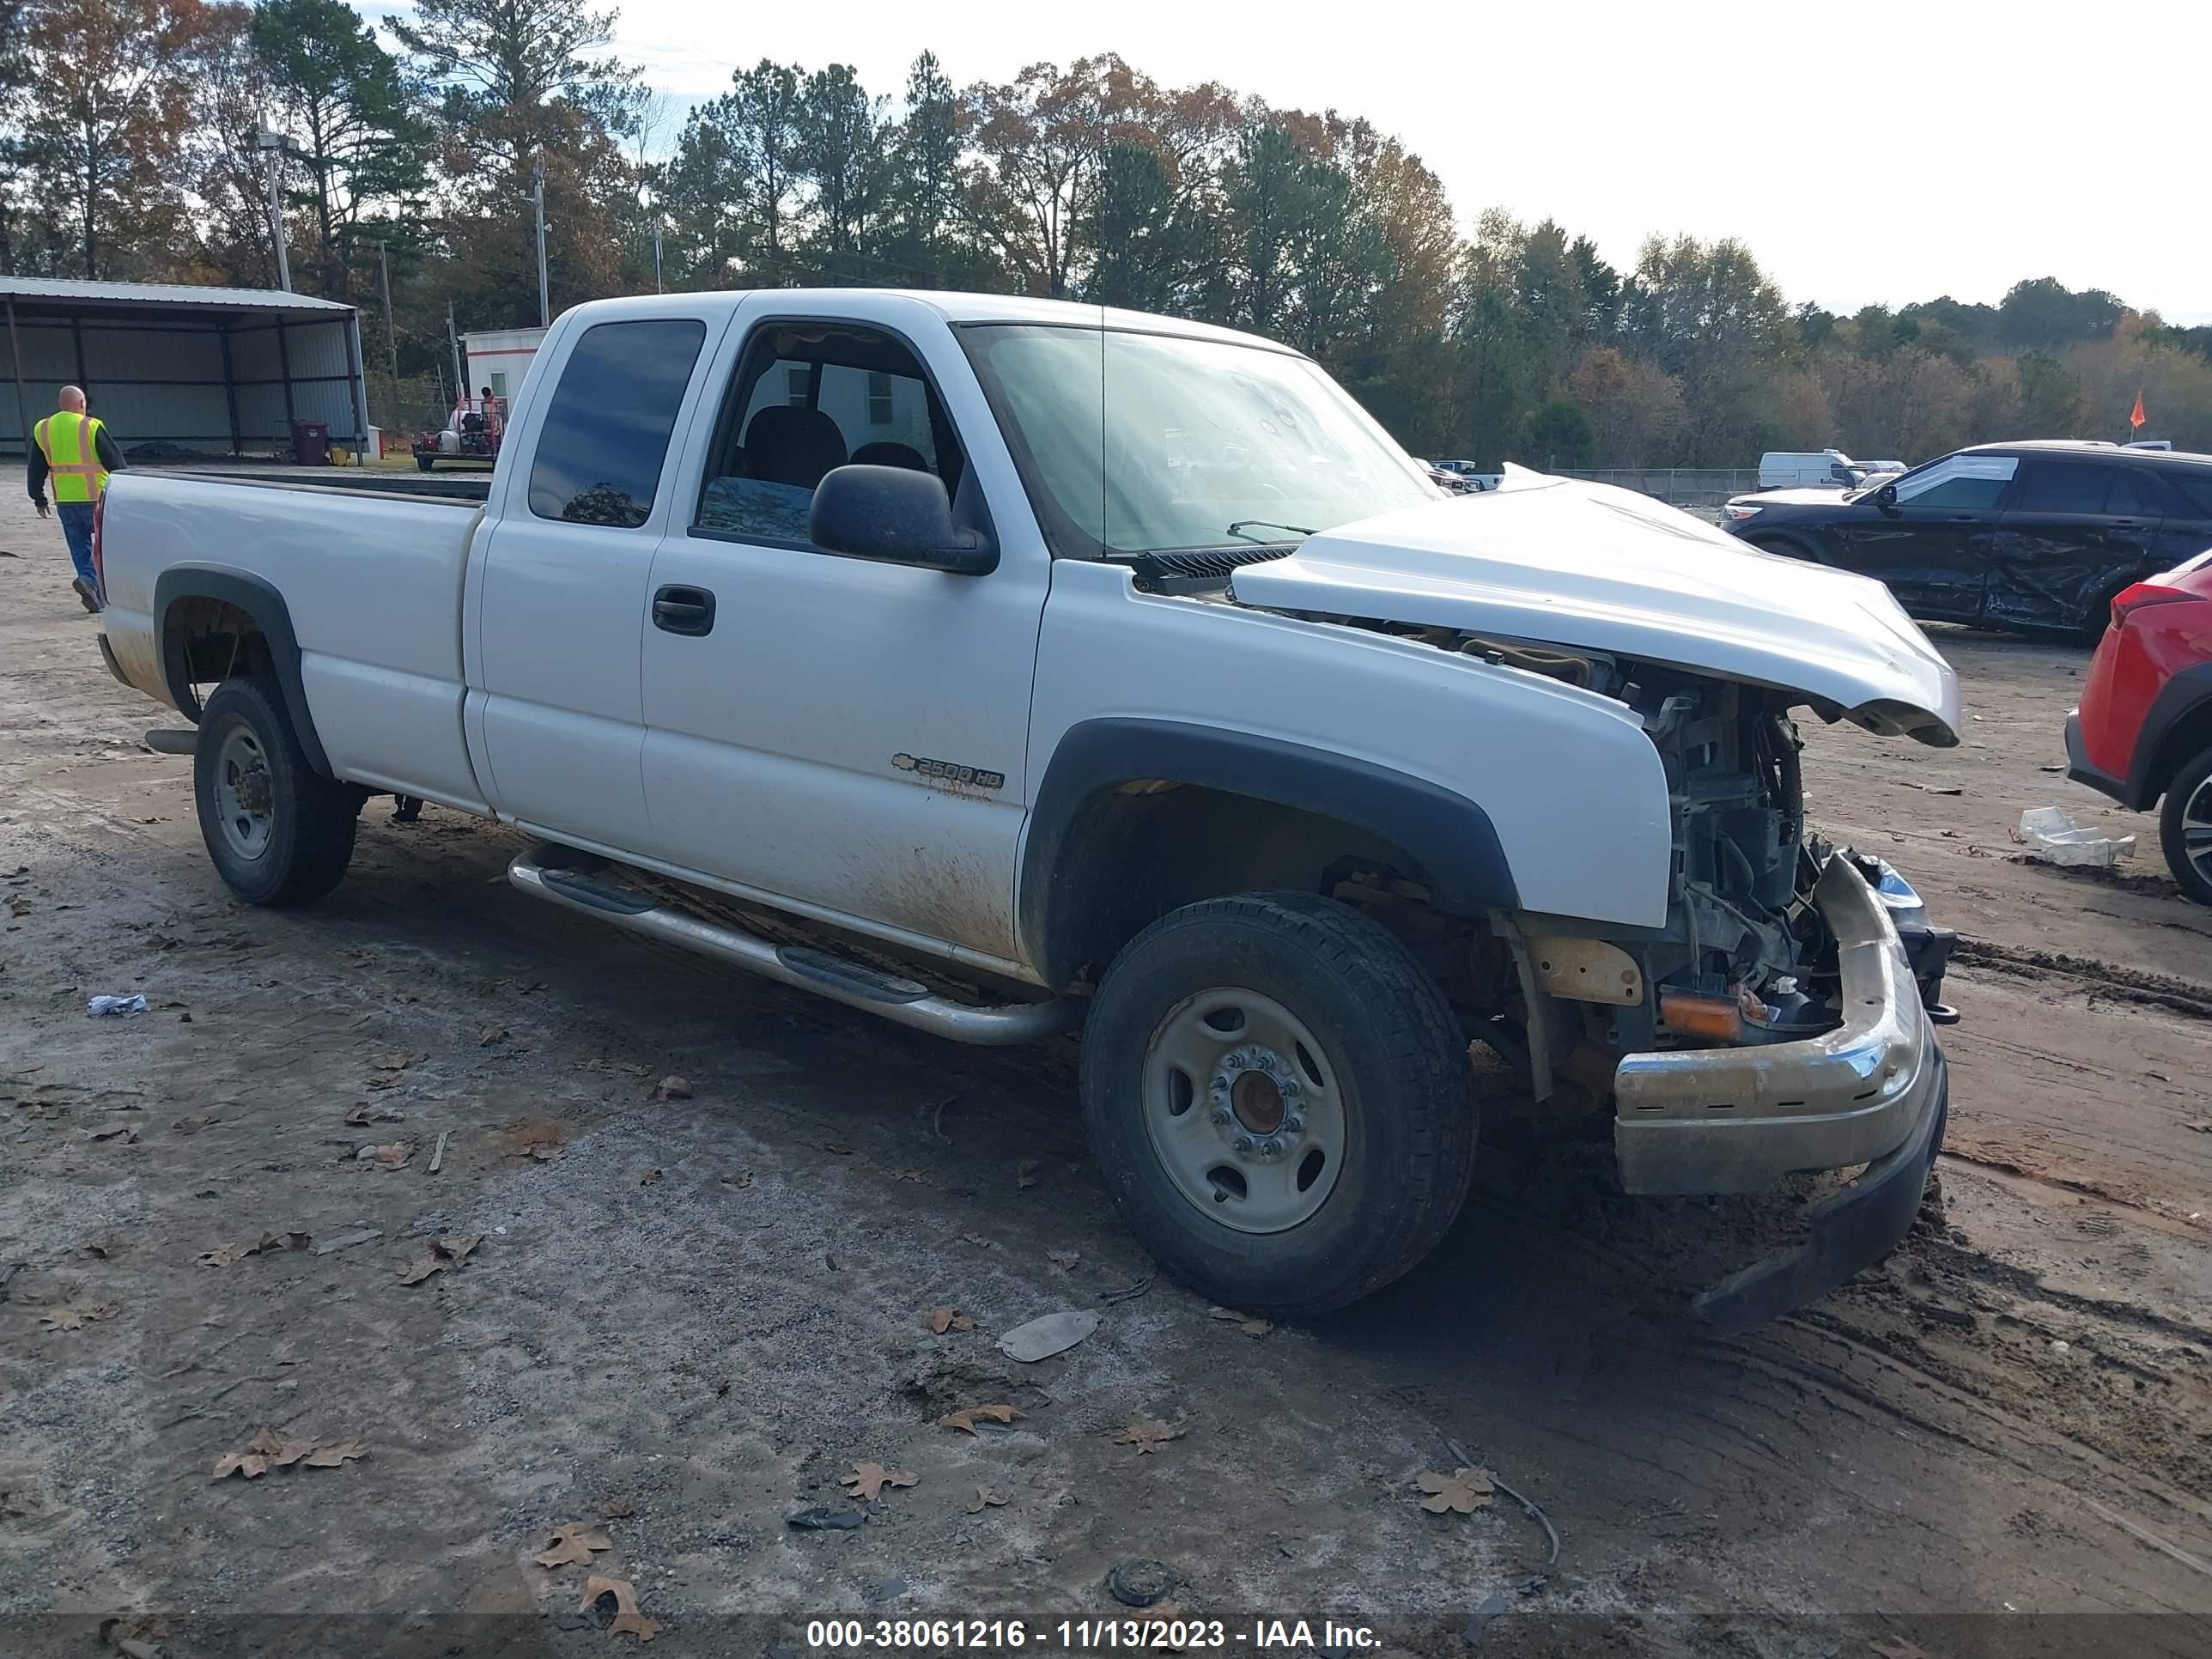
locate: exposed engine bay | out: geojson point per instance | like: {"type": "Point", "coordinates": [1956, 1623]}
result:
{"type": "Point", "coordinates": [1744, 956]}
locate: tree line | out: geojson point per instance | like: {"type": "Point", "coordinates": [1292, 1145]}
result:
{"type": "Point", "coordinates": [127, 152]}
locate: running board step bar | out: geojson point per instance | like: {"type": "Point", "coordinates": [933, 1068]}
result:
{"type": "Point", "coordinates": [902, 1001]}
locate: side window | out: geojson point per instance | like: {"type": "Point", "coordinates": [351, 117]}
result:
{"type": "Point", "coordinates": [2192, 490]}
{"type": "Point", "coordinates": [807, 402]}
{"type": "Point", "coordinates": [2064, 487]}
{"type": "Point", "coordinates": [605, 434]}
{"type": "Point", "coordinates": [1959, 483]}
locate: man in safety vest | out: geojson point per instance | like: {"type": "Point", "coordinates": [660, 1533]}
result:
{"type": "Point", "coordinates": [73, 449]}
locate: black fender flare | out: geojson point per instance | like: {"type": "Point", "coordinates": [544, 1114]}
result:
{"type": "Point", "coordinates": [2156, 759]}
{"type": "Point", "coordinates": [261, 602]}
{"type": "Point", "coordinates": [1451, 835]}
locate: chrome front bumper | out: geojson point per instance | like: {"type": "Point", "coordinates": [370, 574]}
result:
{"type": "Point", "coordinates": [1738, 1120]}
{"type": "Point", "coordinates": [1875, 1091]}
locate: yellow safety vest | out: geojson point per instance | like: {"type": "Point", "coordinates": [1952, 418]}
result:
{"type": "Point", "coordinates": [70, 442]}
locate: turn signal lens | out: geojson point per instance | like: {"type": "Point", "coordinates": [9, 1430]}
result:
{"type": "Point", "coordinates": [1719, 1017]}
{"type": "Point", "coordinates": [1740, 512]}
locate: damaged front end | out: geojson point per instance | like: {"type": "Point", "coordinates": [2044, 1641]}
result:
{"type": "Point", "coordinates": [1789, 1025]}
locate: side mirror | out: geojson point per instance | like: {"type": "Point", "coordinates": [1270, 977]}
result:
{"type": "Point", "coordinates": [896, 516]}
{"type": "Point", "coordinates": [1886, 498]}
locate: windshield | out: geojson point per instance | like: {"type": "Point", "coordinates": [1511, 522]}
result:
{"type": "Point", "coordinates": [1138, 443]}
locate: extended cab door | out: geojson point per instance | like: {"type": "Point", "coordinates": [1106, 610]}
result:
{"type": "Point", "coordinates": [559, 589]}
{"type": "Point", "coordinates": [1927, 537]}
{"type": "Point", "coordinates": [844, 737]}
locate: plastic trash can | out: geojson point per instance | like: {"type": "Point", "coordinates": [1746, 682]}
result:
{"type": "Point", "coordinates": [311, 443]}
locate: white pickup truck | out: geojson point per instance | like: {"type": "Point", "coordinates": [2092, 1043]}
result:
{"type": "Point", "coordinates": [1000, 666]}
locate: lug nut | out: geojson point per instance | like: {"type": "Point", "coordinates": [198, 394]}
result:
{"type": "Point", "coordinates": [1221, 1114]}
{"type": "Point", "coordinates": [1243, 1143]}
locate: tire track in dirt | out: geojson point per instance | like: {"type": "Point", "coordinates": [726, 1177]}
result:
{"type": "Point", "coordinates": [2107, 980]}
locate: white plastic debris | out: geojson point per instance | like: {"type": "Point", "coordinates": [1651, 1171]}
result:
{"type": "Point", "coordinates": [103, 1007]}
{"type": "Point", "coordinates": [2050, 833]}
{"type": "Point", "coordinates": [1041, 1339]}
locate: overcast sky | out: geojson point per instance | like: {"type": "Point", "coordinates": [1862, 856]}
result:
{"type": "Point", "coordinates": [1866, 153]}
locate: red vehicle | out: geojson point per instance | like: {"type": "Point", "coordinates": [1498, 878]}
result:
{"type": "Point", "coordinates": [2144, 727]}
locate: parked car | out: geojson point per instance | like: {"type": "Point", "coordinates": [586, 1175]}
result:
{"type": "Point", "coordinates": [1197, 716]}
{"type": "Point", "coordinates": [2038, 537]}
{"type": "Point", "coordinates": [1800, 470]}
{"type": "Point", "coordinates": [2144, 727]}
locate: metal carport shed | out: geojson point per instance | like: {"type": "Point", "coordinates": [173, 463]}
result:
{"type": "Point", "coordinates": [207, 371]}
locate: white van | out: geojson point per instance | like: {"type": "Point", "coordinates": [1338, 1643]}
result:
{"type": "Point", "coordinates": [1781, 469]}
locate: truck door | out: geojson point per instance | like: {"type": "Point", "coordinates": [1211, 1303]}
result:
{"type": "Point", "coordinates": [560, 599]}
{"type": "Point", "coordinates": [846, 737]}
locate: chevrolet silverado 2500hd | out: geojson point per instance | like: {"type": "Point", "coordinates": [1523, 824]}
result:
{"type": "Point", "coordinates": [997, 666]}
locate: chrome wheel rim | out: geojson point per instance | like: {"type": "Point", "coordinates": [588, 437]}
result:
{"type": "Point", "coordinates": [1241, 1103]}
{"type": "Point", "coordinates": [2197, 830]}
{"type": "Point", "coordinates": [245, 798]}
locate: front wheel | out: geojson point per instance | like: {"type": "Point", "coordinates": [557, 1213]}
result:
{"type": "Point", "coordinates": [1280, 1100]}
{"type": "Point", "coordinates": [424, 462]}
{"type": "Point", "coordinates": [277, 831]}
{"type": "Point", "coordinates": [2185, 828]}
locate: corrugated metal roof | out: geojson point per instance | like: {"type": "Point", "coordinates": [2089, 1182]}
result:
{"type": "Point", "coordinates": [65, 290]}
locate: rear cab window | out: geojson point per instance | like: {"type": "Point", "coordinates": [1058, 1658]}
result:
{"type": "Point", "coordinates": [2070, 487]}
{"type": "Point", "coordinates": [605, 438]}
{"type": "Point", "coordinates": [806, 399]}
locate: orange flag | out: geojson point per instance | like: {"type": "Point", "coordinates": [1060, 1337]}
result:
{"type": "Point", "coordinates": [2135, 417]}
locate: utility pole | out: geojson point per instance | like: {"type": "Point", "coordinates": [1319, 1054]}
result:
{"type": "Point", "coordinates": [272, 146]}
{"type": "Point", "coordinates": [460, 370]}
{"type": "Point", "coordinates": [656, 250]}
{"type": "Point", "coordinates": [391, 329]}
{"type": "Point", "coordinates": [537, 201]}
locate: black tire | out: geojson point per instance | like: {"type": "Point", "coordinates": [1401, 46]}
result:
{"type": "Point", "coordinates": [1400, 1072]}
{"type": "Point", "coordinates": [2089, 629]}
{"type": "Point", "coordinates": [301, 822]}
{"type": "Point", "coordinates": [424, 462]}
{"type": "Point", "coordinates": [2189, 795]}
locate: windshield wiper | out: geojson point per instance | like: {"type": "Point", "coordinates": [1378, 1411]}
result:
{"type": "Point", "coordinates": [1238, 529]}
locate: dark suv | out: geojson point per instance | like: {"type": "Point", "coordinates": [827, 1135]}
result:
{"type": "Point", "coordinates": [2037, 536]}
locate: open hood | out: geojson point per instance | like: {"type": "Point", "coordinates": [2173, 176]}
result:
{"type": "Point", "coordinates": [1564, 562]}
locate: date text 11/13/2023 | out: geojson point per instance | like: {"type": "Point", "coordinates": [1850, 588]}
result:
{"type": "Point", "coordinates": [1089, 1634]}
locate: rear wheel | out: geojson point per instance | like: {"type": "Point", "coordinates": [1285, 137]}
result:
{"type": "Point", "coordinates": [424, 462]}
{"type": "Point", "coordinates": [2185, 828]}
{"type": "Point", "coordinates": [277, 830]}
{"type": "Point", "coordinates": [1280, 1100]}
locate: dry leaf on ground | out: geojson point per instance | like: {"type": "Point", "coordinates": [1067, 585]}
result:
{"type": "Point", "coordinates": [541, 1140]}
{"type": "Point", "coordinates": [270, 1450]}
{"type": "Point", "coordinates": [1147, 1437]}
{"type": "Point", "coordinates": [367, 1113]}
{"type": "Point", "coordinates": [965, 1418]}
{"type": "Point", "coordinates": [1250, 1324]}
{"type": "Point", "coordinates": [648, 1178]}
{"type": "Point", "coordinates": [294, 1240]}
{"type": "Point", "coordinates": [193, 1125]}
{"type": "Point", "coordinates": [867, 1479]}
{"type": "Point", "coordinates": [443, 1253]}
{"type": "Point", "coordinates": [616, 1509]}
{"type": "Point", "coordinates": [941, 1320]}
{"type": "Point", "coordinates": [1462, 1491]}
{"type": "Point", "coordinates": [69, 1317]}
{"type": "Point", "coordinates": [573, 1545]}
{"type": "Point", "coordinates": [392, 1062]}
{"type": "Point", "coordinates": [392, 1155]}
{"type": "Point", "coordinates": [673, 1087]}
{"type": "Point", "coordinates": [743, 1178]}
{"type": "Point", "coordinates": [490, 1035]}
{"type": "Point", "coordinates": [123, 1132]}
{"type": "Point", "coordinates": [627, 1616]}
{"type": "Point", "coordinates": [19, 907]}
{"type": "Point", "coordinates": [1064, 1260]}
{"type": "Point", "coordinates": [986, 1497]}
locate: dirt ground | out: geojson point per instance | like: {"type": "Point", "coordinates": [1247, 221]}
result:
{"type": "Point", "coordinates": [695, 1315]}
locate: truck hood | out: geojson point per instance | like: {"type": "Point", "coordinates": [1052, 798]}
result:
{"type": "Point", "coordinates": [1560, 562]}
{"type": "Point", "coordinates": [1797, 495]}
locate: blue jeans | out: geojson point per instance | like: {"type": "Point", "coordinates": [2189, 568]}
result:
{"type": "Point", "coordinates": [76, 526]}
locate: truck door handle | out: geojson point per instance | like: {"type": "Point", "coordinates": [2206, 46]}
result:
{"type": "Point", "coordinates": [684, 611]}
{"type": "Point", "coordinates": [2122, 524]}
